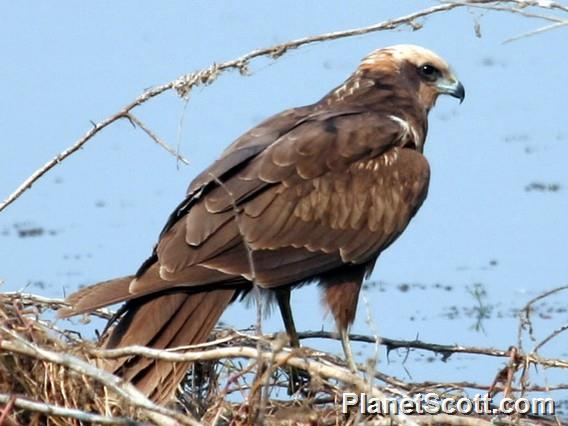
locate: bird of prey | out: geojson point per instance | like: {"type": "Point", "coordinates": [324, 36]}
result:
{"type": "Point", "coordinates": [313, 194]}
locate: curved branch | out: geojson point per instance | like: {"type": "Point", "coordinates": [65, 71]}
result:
{"type": "Point", "coordinates": [57, 411]}
{"type": "Point", "coordinates": [185, 83]}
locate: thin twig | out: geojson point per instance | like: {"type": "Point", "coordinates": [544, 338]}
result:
{"type": "Point", "coordinates": [262, 392]}
{"type": "Point", "coordinates": [284, 357]}
{"type": "Point", "coordinates": [29, 299]}
{"type": "Point", "coordinates": [525, 313]}
{"type": "Point", "coordinates": [175, 152]}
{"type": "Point", "coordinates": [124, 389]}
{"type": "Point", "coordinates": [9, 402]}
{"type": "Point", "coordinates": [495, 6]}
{"type": "Point", "coordinates": [537, 31]}
{"type": "Point", "coordinates": [438, 419]}
{"type": "Point", "coordinates": [551, 336]}
{"type": "Point", "coordinates": [445, 350]}
{"type": "Point", "coordinates": [184, 84]}
{"type": "Point", "coordinates": [55, 410]}
{"type": "Point", "coordinates": [234, 351]}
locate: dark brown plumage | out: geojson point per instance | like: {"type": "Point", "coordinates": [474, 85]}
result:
{"type": "Point", "coordinates": [315, 193]}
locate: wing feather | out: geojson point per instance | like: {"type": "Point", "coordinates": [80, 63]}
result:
{"type": "Point", "coordinates": [333, 187]}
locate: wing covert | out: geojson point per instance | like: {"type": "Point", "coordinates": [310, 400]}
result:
{"type": "Point", "coordinates": [334, 189]}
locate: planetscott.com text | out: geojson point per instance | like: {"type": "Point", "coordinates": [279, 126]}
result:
{"type": "Point", "coordinates": [431, 403]}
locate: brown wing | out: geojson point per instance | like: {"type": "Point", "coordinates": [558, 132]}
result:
{"type": "Point", "coordinates": [313, 191]}
{"type": "Point", "coordinates": [247, 147]}
{"type": "Point", "coordinates": [334, 189]}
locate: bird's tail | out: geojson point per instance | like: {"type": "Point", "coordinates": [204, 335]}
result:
{"type": "Point", "coordinates": [97, 296]}
{"type": "Point", "coordinates": [181, 317]}
{"type": "Point", "coordinates": [166, 321]}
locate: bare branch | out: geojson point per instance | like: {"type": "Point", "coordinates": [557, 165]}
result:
{"type": "Point", "coordinates": [242, 351]}
{"type": "Point", "coordinates": [389, 343]}
{"type": "Point", "coordinates": [537, 31]}
{"type": "Point", "coordinates": [156, 138]}
{"type": "Point", "coordinates": [525, 313]}
{"type": "Point", "coordinates": [551, 336]}
{"type": "Point", "coordinates": [33, 300]}
{"type": "Point", "coordinates": [184, 84]}
{"type": "Point", "coordinates": [445, 350]}
{"type": "Point", "coordinates": [283, 357]}
{"type": "Point", "coordinates": [438, 419]}
{"type": "Point", "coordinates": [496, 6]}
{"type": "Point", "coordinates": [124, 389]}
{"type": "Point", "coordinates": [54, 410]}
{"type": "Point", "coordinates": [327, 371]}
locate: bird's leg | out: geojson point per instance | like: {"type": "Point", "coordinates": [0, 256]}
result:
{"type": "Point", "coordinates": [283, 298]}
{"type": "Point", "coordinates": [298, 379]}
{"type": "Point", "coordinates": [346, 343]}
{"type": "Point", "coordinates": [342, 287]}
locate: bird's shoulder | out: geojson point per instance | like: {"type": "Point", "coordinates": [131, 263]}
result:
{"type": "Point", "coordinates": [297, 144]}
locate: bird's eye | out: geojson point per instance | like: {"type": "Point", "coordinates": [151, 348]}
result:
{"type": "Point", "coordinates": [429, 72]}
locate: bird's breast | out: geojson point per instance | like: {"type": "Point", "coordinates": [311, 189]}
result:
{"type": "Point", "coordinates": [376, 194]}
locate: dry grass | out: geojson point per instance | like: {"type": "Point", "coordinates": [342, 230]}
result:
{"type": "Point", "coordinates": [237, 379]}
{"type": "Point", "coordinates": [45, 381]}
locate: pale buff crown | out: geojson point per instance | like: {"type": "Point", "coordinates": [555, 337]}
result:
{"type": "Point", "coordinates": [390, 58]}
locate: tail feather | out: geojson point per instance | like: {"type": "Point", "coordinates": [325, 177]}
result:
{"type": "Point", "coordinates": [97, 296]}
{"type": "Point", "coordinates": [176, 373]}
{"type": "Point", "coordinates": [131, 287]}
{"type": "Point", "coordinates": [156, 322]}
{"type": "Point", "coordinates": [148, 317]}
{"type": "Point", "coordinates": [159, 314]}
{"type": "Point", "coordinates": [165, 321]}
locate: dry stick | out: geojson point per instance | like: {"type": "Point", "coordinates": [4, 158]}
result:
{"type": "Point", "coordinates": [263, 394]}
{"type": "Point", "coordinates": [175, 152]}
{"type": "Point", "coordinates": [262, 381]}
{"type": "Point", "coordinates": [519, 10]}
{"type": "Point", "coordinates": [185, 83]}
{"type": "Point", "coordinates": [54, 410]}
{"type": "Point", "coordinates": [417, 387]}
{"type": "Point", "coordinates": [230, 380]}
{"type": "Point", "coordinates": [237, 352]}
{"type": "Point", "coordinates": [533, 357]}
{"type": "Point", "coordinates": [556, 21]}
{"type": "Point", "coordinates": [445, 350]}
{"type": "Point", "coordinates": [438, 419]}
{"type": "Point", "coordinates": [9, 404]}
{"type": "Point", "coordinates": [29, 299]}
{"type": "Point", "coordinates": [372, 362]}
{"type": "Point", "coordinates": [421, 387]}
{"type": "Point", "coordinates": [127, 391]}
{"type": "Point", "coordinates": [555, 5]}
{"type": "Point", "coordinates": [537, 31]}
{"type": "Point", "coordinates": [551, 336]}
{"type": "Point", "coordinates": [97, 127]}
{"type": "Point", "coordinates": [284, 357]}
{"type": "Point", "coordinates": [180, 127]}
{"type": "Point", "coordinates": [524, 314]}
{"type": "Point", "coordinates": [169, 355]}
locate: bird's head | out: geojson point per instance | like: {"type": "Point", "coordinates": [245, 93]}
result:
{"type": "Point", "coordinates": [426, 72]}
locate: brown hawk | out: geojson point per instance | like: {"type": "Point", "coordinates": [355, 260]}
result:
{"type": "Point", "coordinates": [314, 193]}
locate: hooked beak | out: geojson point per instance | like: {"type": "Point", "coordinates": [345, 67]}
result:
{"type": "Point", "coordinates": [452, 87]}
